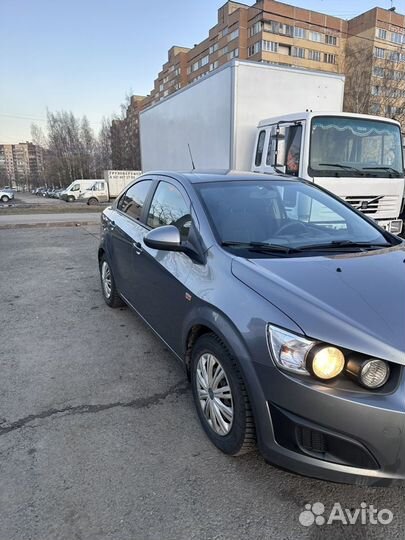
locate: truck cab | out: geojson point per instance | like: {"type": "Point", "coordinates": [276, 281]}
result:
{"type": "Point", "coordinates": [357, 157]}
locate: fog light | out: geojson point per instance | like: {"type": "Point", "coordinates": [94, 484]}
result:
{"type": "Point", "coordinates": [371, 373]}
{"type": "Point", "coordinates": [326, 362]}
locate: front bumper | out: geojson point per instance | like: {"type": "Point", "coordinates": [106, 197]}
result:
{"type": "Point", "coordinates": [324, 431]}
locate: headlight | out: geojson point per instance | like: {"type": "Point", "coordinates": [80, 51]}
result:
{"type": "Point", "coordinates": [289, 350]}
{"type": "Point", "coordinates": [371, 373]}
{"type": "Point", "coordinates": [306, 357]}
{"type": "Point", "coordinates": [325, 362]}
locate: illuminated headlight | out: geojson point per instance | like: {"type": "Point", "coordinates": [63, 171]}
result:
{"type": "Point", "coordinates": [371, 373]}
{"type": "Point", "coordinates": [306, 357]}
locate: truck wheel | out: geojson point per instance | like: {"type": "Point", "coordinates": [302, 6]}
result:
{"type": "Point", "coordinates": [220, 397]}
{"type": "Point", "coordinates": [5, 199]}
{"type": "Point", "coordinates": [70, 198]}
{"type": "Point", "coordinates": [109, 290]}
{"type": "Point", "coordinates": [92, 201]}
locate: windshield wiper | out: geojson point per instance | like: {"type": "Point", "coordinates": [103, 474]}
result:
{"type": "Point", "coordinates": [339, 244]}
{"type": "Point", "coordinates": [340, 166]}
{"type": "Point", "coordinates": [261, 247]}
{"type": "Point", "coordinates": [394, 171]}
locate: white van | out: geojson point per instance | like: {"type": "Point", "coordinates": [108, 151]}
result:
{"type": "Point", "coordinates": [76, 188]}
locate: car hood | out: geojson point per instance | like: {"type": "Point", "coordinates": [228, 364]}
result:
{"type": "Point", "coordinates": [355, 301]}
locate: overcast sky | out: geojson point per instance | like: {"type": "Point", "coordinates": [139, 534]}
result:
{"type": "Point", "coordinates": [86, 55]}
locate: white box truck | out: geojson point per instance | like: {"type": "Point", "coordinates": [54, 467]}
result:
{"type": "Point", "coordinates": [260, 117]}
{"type": "Point", "coordinates": [108, 188]}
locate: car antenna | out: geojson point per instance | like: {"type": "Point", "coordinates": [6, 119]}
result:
{"type": "Point", "coordinates": [191, 156]}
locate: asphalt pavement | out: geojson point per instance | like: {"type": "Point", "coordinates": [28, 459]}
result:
{"type": "Point", "coordinates": [98, 434]}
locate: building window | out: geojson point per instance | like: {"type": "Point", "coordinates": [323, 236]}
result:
{"type": "Point", "coordinates": [315, 36]}
{"type": "Point", "coordinates": [269, 46]}
{"type": "Point", "coordinates": [161, 88]}
{"type": "Point", "coordinates": [254, 49]}
{"type": "Point", "coordinates": [255, 29]}
{"type": "Point", "coordinates": [299, 32]}
{"type": "Point", "coordinates": [204, 61]}
{"type": "Point", "coordinates": [331, 40]}
{"type": "Point", "coordinates": [213, 48]}
{"type": "Point", "coordinates": [396, 38]}
{"type": "Point", "coordinates": [381, 33]}
{"type": "Point", "coordinates": [376, 91]}
{"type": "Point", "coordinates": [233, 35]}
{"type": "Point", "coordinates": [375, 108]}
{"type": "Point", "coordinates": [329, 58]}
{"type": "Point", "coordinates": [378, 71]}
{"type": "Point", "coordinates": [233, 54]}
{"type": "Point", "coordinates": [394, 56]}
{"type": "Point", "coordinates": [314, 55]}
{"type": "Point", "coordinates": [222, 51]}
{"type": "Point", "coordinates": [299, 52]}
{"type": "Point", "coordinates": [379, 53]}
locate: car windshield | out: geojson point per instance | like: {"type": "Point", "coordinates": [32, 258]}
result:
{"type": "Point", "coordinates": [343, 146]}
{"type": "Point", "coordinates": [280, 214]}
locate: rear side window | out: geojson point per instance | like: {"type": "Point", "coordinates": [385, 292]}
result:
{"type": "Point", "coordinates": [260, 148]}
{"type": "Point", "coordinates": [134, 198]}
{"type": "Point", "coordinates": [168, 207]}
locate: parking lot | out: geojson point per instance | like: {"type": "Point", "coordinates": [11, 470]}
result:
{"type": "Point", "coordinates": [98, 434]}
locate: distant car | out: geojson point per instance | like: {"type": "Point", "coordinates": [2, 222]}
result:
{"type": "Point", "coordinates": [6, 195]}
{"type": "Point", "coordinates": [287, 307]}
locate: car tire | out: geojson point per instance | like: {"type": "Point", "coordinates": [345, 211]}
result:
{"type": "Point", "coordinates": [108, 288]}
{"type": "Point", "coordinates": [92, 201]}
{"type": "Point", "coordinates": [70, 198]}
{"type": "Point", "coordinates": [5, 199]}
{"type": "Point", "coordinates": [226, 416]}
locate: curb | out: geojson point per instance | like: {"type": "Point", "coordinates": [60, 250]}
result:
{"type": "Point", "coordinates": [46, 225]}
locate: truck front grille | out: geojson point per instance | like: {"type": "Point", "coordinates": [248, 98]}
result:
{"type": "Point", "coordinates": [369, 204]}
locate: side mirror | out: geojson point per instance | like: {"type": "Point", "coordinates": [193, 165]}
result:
{"type": "Point", "coordinates": [166, 238]}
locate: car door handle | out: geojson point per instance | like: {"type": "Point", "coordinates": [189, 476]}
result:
{"type": "Point", "coordinates": [138, 247]}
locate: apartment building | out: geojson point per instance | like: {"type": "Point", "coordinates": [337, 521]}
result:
{"type": "Point", "coordinates": [21, 165]}
{"type": "Point", "coordinates": [375, 64]}
{"type": "Point", "coordinates": [367, 49]}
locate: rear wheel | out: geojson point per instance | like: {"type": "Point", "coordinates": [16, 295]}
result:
{"type": "Point", "coordinates": [109, 290]}
{"type": "Point", "coordinates": [92, 201]}
{"type": "Point", "coordinates": [5, 199]}
{"type": "Point", "coordinates": [221, 398]}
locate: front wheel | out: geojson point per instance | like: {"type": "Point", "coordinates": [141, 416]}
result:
{"type": "Point", "coordinates": [5, 199]}
{"type": "Point", "coordinates": [221, 398]}
{"type": "Point", "coordinates": [70, 198]}
{"type": "Point", "coordinates": [109, 290]}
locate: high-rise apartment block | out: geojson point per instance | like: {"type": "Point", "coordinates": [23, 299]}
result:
{"type": "Point", "coordinates": [21, 165]}
{"type": "Point", "coordinates": [367, 49]}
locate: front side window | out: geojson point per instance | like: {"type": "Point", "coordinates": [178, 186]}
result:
{"type": "Point", "coordinates": [168, 207]}
{"type": "Point", "coordinates": [260, 148]}
{"type": "Point", "coordinates": [75, 187]}
{"type": "Point", "coordinates": [133, 200]}
{"type": "Point", "coordinates": [283, 213]}
{"type": "Point", "coordinates": [344, 146]}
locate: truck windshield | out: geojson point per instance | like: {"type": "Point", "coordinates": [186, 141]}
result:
{"type": "Point", "coordinates": [347, 146]}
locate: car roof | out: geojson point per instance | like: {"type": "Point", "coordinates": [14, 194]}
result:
{"type": "Point", "coordinates": [199, 177]}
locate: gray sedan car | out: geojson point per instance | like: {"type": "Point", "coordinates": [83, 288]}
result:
{"type": "Point", "coordinates": [286, 306]}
